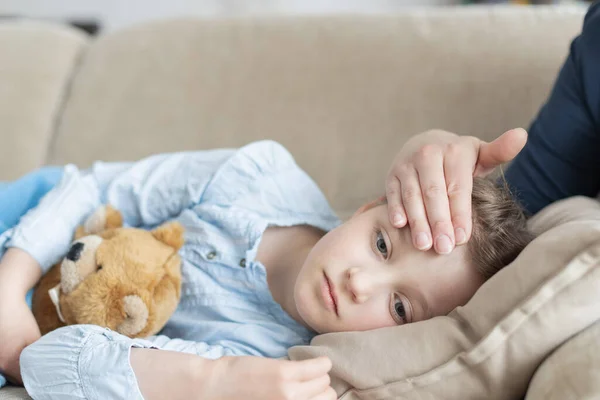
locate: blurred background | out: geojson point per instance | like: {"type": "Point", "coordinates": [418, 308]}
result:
{"type": "Point", "coordinates": [107, 15]}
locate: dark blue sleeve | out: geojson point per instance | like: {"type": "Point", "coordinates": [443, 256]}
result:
{"type": "Point", "coordinates": [562, 155]}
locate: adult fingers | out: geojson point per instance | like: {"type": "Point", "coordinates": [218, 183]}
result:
{"type": "Point", "coordinates": [501, 150]}
{"type": "Point", "coordinates": [396, 212]}
{"type": "Point", "coordinates": [412, 199]}
{"type": "Point", "coordinates": [458, 168]}
{"type": "Point", "coordinates": [430, 169]}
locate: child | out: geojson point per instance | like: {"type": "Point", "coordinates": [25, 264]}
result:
{"type": "Point", "coordinates": [266, 265]}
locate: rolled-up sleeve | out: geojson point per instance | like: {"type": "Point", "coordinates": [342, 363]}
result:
{"type": "Point", "coordinates": [81, 362]}
{"type": "Point", "coordinates": [46, 231]}
{"type": "Point", "coordinates": [147, 192]}
{"type": "Point", "coordinates": [91, 362]}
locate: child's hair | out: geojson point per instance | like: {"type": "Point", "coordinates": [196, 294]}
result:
{"type": "Point", "coordinates": [499, 227]}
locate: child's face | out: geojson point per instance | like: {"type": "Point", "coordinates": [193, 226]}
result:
{"type": "Point", "coordinates": [378, 278]}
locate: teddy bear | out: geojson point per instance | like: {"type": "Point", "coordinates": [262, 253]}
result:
{"type": "Point", "coordinates": [124, 279]}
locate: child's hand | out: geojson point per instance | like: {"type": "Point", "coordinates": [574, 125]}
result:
{"type": "Point", "coordinates": [430, 182]}
{"type": "Point", "coordinates": [18, 329]}
{"type": "Point", "coordinates": [167, 374]}
{"type": "Point", "coordinates": [269, 379]}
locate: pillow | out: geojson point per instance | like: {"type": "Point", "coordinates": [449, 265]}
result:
{"type": "Point", "coordinates": [572, 371]}
{"type": "Point", "coordinates": [490, 348]}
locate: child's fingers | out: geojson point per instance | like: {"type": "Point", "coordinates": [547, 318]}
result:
{"type": "Point", "coordinates": [329, 394]}
{"type": "Point", "coordinates": [309, 369]}
{"type": "Point", "coordinates": [314, 387]}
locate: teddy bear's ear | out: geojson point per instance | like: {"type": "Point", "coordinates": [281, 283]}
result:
{"type": "Point", "coordinates": [170, 233]}
{"type": "Point", "coordinates": [105, 217]}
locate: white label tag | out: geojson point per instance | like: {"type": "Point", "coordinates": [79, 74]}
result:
{"type": "Point", "coordinates": [53, 293]}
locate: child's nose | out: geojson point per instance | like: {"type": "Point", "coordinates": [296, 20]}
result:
{"type": "Point", "coordinates": [360, 284]}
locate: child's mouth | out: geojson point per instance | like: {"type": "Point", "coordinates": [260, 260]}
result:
{"type": "Point", "coordinates": [328, 294]}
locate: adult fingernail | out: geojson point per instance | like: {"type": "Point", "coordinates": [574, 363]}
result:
{"type": "Point", "coordinates": [460, 236]}
{"type": "Point", "coordinates": [399, 220]}
{"type": "Point", "coordinates": [443, 244]}
{"type": "Point", "coordinates": [423, 241]}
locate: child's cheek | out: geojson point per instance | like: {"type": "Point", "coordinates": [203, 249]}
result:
{"type": "Point", "coordinates": [371, 319]}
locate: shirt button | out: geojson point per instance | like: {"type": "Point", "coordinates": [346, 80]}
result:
{"type": "Point", "coordinates": [211, 255]}
{"type": "Point", "coordinates": [243, 263]}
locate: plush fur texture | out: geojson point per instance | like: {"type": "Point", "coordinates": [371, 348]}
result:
{"type": "Point", "coordinates": [125, 279]}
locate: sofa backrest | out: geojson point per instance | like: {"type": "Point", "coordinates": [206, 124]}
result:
{"type": "Point", "coordinates": [37, 61]}
{"type": "Point", "coordinates": [343, 93]}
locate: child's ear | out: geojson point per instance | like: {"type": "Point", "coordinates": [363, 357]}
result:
{"type": "Point", "coordinates": [366, 207]}
{"type": "Point", "coordinates": [170, 234]}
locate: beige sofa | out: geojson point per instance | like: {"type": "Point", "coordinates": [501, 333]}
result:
{"type": "Point", "coordinates": [343, 93]}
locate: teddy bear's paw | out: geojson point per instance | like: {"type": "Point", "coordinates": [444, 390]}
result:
{"type": "Point", "coordinates": [136, 316]}
{"type": "Point", "coordinates": [105, 217]}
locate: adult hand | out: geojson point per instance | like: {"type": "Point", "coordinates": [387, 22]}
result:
{"type": "Point", "coordinates": [430, 182]}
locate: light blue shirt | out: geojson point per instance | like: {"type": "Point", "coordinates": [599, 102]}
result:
{"type": "Point", "coordinates": [225, 199]}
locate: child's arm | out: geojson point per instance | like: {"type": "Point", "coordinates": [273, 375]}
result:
{"type": "Point", "coordinates": [158, 188]}
{"type": "Point", "coordinates": [229, 378]}
{"type": "Point", "coordinates": [147, 192]}
{"type": "Point", "coordinates": [42, 237]}
{"type": "Point", "coordinates": [46, 232]}
{"type": "Point", "coordinates": [86, 361]}
{"type": "Point", "coordinates": [18, 273]}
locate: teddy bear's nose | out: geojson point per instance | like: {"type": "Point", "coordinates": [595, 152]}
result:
{"type": "Point", "coordinates": [75, 252]}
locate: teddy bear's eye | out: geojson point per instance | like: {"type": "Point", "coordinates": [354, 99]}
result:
{"type": "Point", "coordinates": [99, 267]}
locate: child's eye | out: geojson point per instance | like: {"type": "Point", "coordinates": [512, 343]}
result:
{"type": "Point", "coordinates": [380, 244]}
{"type": "Point", "coordinates": [398, 310]}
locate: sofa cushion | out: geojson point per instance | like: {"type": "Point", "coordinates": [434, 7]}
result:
{"type": "Point", "coordinates": [491, 347]}
{"type": "Point", "coordinates": [13, 393]}
{"type": "Point", "coordinates": [36, 63]}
